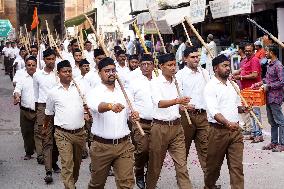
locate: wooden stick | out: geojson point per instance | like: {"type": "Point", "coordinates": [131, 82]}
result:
{"type": "Point", "coordinates": [156, 62]}
{"type": "Point", "coordinates": [101, 43]}
{"type": "Point", "coordinates": [142, 42]}
{"type": "Point", "coordinates": [198, 36]}
{"type": "Point", "coordinates": [188, 38]}
{"type": "Point", "coordinates": [51, 40]}
{"type": "Point", "coordinates": [129, 104]}
{"type": "Point", "coordinates": [158, 31]}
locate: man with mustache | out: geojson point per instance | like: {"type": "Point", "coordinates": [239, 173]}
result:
{"type": "Point", "coordinates": [225, 134]}
{"type": "Point", "coordinates": [111, 144]}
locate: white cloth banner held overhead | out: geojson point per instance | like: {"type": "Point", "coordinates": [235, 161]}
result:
{"type": "Point", "coordinates": [223, 8]}
{"type": "Point", "coordinates": [197, 10]}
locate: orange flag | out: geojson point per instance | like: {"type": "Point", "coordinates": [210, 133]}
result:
{"type": "Point", "coordinates": [35, 19]}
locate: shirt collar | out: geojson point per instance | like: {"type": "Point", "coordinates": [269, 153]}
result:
{"type": "Point", "coordinates": [217, 81]}
{"type": "Point", "coordinates": [190, 70]}
{"type": "Point", "coordinates": [272, 63]}
{"type": "Point", "coordinates": [61, 86]}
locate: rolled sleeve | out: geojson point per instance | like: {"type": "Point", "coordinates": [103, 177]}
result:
{"type": "Point", "coordinates": [156, 95]}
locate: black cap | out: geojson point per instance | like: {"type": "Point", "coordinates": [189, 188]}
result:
{"type": "Point", "coordinates": [166, 58]}
{"type": "Point", "coordinates": [83, 61]}
{"type": "Point", "coordinates": [105, 62]}
{"type": "Point", "coordinates": [62, 64]}
{"type": "Point", "coordinates": [134, 56]}
{"type": "Point", "coordinates": [219, 59]}
{"type": "Point", "coordinates": [119, 52]}
{"type": "Point", "coordinates": [146, 57]}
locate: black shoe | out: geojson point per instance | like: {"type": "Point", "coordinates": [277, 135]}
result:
{"type": "Point", "coordinates": [140, 182]}
{"type": "Point", "coordinates": [40, 160]}
{"type": "Point", "coordinates": [48, 178]}
{"type": "Point", "coordinates": [56, 169]}
{"type": "Point", "coordinates": [111, 173]}
{"type": "Point", "coordinates": [85, 155]}
{"type": "Point", "coordinates": [217, 186]}
{"type": "Point", "coordinates": [27, 157]}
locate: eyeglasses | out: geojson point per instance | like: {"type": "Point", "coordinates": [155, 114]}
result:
{"type": "Point", "coordinates": [110, 71]}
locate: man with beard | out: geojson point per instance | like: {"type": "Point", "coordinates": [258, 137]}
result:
{"type": "Point", "coordinates": [198, 130]}
{"type": "Point", "coordinates": [66, 105]}
{"type": "Point", "coordinates": [92, 77]}
{"type": "Point", "coordinates": [44, 80]}
{"type": "Point", "coordinates": [166, 132]}
{"type": "Point", "coordinates": [140, 92]}
{"type": "Point", "coordinates": [111, 145]}
{"type": "Point", "coordinates": [121, 67]}
{"type": "Point", "coordinates": [24, 94]}
{"type": "Point", "coordinates": [225, 135]}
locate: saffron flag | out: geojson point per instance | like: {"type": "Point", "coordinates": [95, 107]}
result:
{"type": "Point", "coordinates": [35, 19]}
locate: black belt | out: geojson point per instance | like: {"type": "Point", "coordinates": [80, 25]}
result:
{"type": "Point", "coordinates": [196, 111]}
{"type": "Point", "coordinates": [27, 109]}
{"type": "Point", "coordinates": [173, 122]}
{"type": "Point", "coordinates": [145, 121]}
{"type": "Point", "coordinates": [110, 141]}
{"type": "Point", "coordinates": [69, 131]}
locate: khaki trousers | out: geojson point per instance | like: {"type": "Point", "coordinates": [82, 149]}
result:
{"type": "Point", "coordinates": [38, 130]}
{"type": "Point", "coordinates": [70, 147]}
{"type": "Point", "coordinates": [49, 148]}
{"type": "Point", "coordinates": [197, 131]}
{"type": "Point", "coordinates": [120, 156]}
{"type": "Point", "coordinates": [27, 121]}
{"type": "Point", "coordinates": [165, 138]}
{"type": "Point", "coordinates": [141, 153]}
{"type": "Point", "coordinates": [223, 142]}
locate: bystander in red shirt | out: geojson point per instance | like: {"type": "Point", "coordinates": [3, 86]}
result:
{"type": "Point", "coordinates": [248, 66]}
{"type": "Point", "coordinates": [260, 53]}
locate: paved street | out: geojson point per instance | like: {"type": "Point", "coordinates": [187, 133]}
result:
{"type": "Point", "coordinates": [263, 169]}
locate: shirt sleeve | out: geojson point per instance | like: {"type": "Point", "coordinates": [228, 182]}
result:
{"type": "Point", "coordinates": [18, 88]}
{"type": "Point", "coordinates": [179, 80]}
{"type": "Point", "coordinates": [36, 88]}
{"type": "Point", "coordinates": [211, 100]}
{"type": "Point", "coordinates": [50, 109]}
{"type": "Point", "coordinates": [279, 83]}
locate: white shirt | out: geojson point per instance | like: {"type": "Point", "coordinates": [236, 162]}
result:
{"type": "Point", "coordinates": [89, 55]}
{"type": "Point", "coordinates": [67, 107]}
{"type": "Point", "coordinates": [213, 49]}
{"type": "Point", "coordinates": [179, 53]}
{"type": "Point", "coordinates": [221, 98]}
{"type": "Point", "coordinates": [93, 78]}
{"type": "Point", "coordinates": [13, 52]}
{"type": "Point", "coordinates": [6, 51]}
{"type": "Point", "coordinates": [68, 56]}
{"type": "Point", "coordinates": [19, 74]}
{"type": "Point", "coordinates": [164, 90]}
{"type": "Point", "coordinates": [21, 63]}
{"type": "Point", "coordinates": [192, 85]}
{"type": "Point", "coordinates": [25, 88]}
{"type": "Point", "coordinates": [140, 93]}
{"type": "Point", "coordinates": [108, 125]}
{"type": "Point", "coordinates": [43, 83]}
{"type": "Point", "coordinates": [122, 72]}
{"type": "Point", "coordinates": [83, 83]}
{"type": "Point", "coordinates": [76, 71]}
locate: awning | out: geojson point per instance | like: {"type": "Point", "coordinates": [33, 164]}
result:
{"type": "Point", "coordinates": [75, 21]}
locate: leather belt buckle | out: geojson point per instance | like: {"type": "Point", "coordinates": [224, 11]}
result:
{"type": "Point", "coordinates": [115, 141]}
{"type": "Point", "coordinates": [171, 123]}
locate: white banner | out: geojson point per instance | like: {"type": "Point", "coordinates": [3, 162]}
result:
{"type": "Point", "coordinates": [223, 8]}
{"type": "Point", "coordinates": [280, 23]}
{"type": "Point", "coordinates": [197, 10]}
